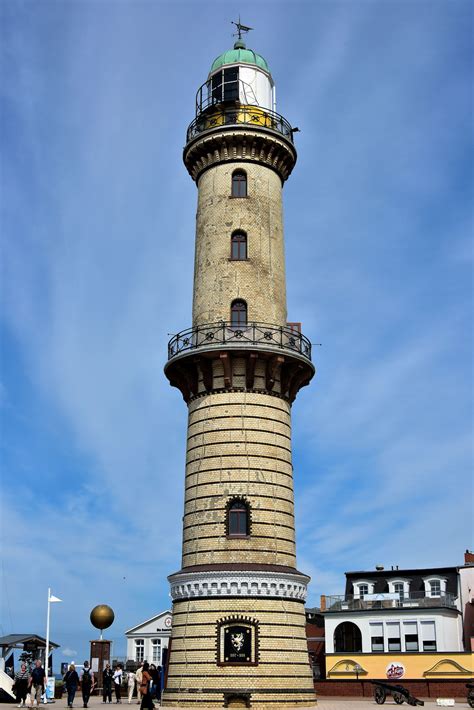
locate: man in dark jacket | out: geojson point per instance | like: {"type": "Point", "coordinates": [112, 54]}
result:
{"type": "Point", "coordinates": [37, 683]}
{"type": "Point", "coordinates": [87, 683]}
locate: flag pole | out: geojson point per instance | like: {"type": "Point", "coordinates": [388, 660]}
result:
{"type": "Point", "coordinates": [46, 659]}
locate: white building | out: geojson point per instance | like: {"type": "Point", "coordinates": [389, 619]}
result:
{"type": "Point", "coordinates": [146, 641]}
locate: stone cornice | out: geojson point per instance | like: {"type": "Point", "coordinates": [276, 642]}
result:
{"type": "Point", "coordinates": [229, 583]}
{"type": "Point", "coordinates": [239, 144]}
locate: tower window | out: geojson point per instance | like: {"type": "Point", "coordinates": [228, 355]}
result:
{"type": "Point", "coordinates": [238, 314]}
{"type": "Point", "coordinates": [239, 183]}
{"type": "Point", "coordinates": [238, 519]}
{"type": "Point", "coordinates": [238, 251]}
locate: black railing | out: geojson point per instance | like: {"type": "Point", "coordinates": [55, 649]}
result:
{"type": "Point", "coordinates": [220, 116]}
{"type": "Point", "coordinates": [240, 336]}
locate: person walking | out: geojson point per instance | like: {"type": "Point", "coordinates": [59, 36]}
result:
{"type": "Point", "coordinates": [107, 678]}
{"type": "Point", "coordinates": [71, 680]}
{"type": "Point", "coordinates": [87, 683]}
{"type": "Point", "coordinates": [37, 683]}
{"type": "Point", "coordinates": [130, 685]}
{"type": "Point", "coordinates": [20, 685]}
{"type": "Point", "coordinates": [147, 702]}
{"type": "Point", "coordinates": [118, 683]}
{"type": "Point", "coordinates": [138, 679]}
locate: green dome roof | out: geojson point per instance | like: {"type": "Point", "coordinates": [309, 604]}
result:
{"type": "Point", "coordinates": [240, 55]}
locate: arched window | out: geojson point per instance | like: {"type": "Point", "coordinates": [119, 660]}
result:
{"type": "Point", "coordinates": [238, 246]}
{"type": "Point", "coordinates": [238, 518]}
{"type": "Point", "coordinates": [347, 638]}
{"type": "Point", "coordinates": [239, 183]}
{"type": "Point", "coordinates": [238, 314]}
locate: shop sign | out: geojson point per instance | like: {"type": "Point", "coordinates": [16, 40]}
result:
{"type": "Point", "coordinates": [395, 670]}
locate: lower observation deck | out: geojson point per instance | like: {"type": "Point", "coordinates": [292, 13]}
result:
{"type": "Point", "coordinates": [211, 357]}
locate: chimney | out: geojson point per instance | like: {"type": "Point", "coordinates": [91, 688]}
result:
{"type": "Point", "coordinates": [469, 557]}
{"type": "Point", "coordinates": [322, 604]}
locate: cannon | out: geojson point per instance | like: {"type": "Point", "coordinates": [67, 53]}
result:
{"type": "Point", "coordinates": [398, 692]}
{"type": "Point", "coordinates": [470, 694]}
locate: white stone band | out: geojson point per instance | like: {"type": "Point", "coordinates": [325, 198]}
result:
{"type": "Point", "coordinates": [227, 583]}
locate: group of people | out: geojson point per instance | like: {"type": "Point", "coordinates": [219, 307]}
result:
{"type": "Point", "coordinates": [147, 679]}
{"type": "Point", "coordinates": [32, 683]}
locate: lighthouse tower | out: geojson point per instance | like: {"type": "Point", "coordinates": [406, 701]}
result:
{"type": "Point", "coordinates": [238, 633]}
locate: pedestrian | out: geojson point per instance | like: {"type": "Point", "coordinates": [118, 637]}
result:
{"type": "Point", "coordinates": [107, 678]}
{"type": "Point", "coordinates": [138, 679]}
{"type": "Point", "coordinates": [147, 702]}
{"type": "Point", "coordinates": [130, 685]}
{"type": "Point", "coordinates": [155, 681]}
{"type": "Point", "coordinates": [118, 683]}
{"type": "Point", "coordinates": [158, 685]}
{"type": "Point", "coordinates": [71, 680]}
{"type": "Point", "coordinates": [20, 685]}
{"type": "Point", "coordinates": [37, 683]}
{"type": "Point", "coordinates": [87, 683]}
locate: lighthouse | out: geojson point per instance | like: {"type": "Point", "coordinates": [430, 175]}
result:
{"type": "Point", "coordinates": [238, 630]}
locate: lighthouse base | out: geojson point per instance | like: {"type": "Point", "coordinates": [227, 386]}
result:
{"type": "Point", "coordinates": [239, 652]}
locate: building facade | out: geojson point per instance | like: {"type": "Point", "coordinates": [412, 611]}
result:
{"type": "Point", "coordinates": [394, 624]}
{"type": "Point", "coordinates": [238, 632]}
{"type": "Point", "coordinates": [147, 641]}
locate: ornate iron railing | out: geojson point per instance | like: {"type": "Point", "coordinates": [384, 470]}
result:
{"type": "Point", "coordinates": [221, 116]}
{"type": "Point", "coordinates": [214, 335]}
{"type": "Point", "coordinates": [350, 602]}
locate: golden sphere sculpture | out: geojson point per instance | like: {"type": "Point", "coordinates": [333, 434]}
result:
{"type": "Point", "coordinates": [102, 616]}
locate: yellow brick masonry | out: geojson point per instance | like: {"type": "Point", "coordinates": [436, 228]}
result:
{"type": "Point", "coordinates": [283, 663]}
{"type": "Point", "coordinates": [239, 445]}
{"type": "Point", "coordinates": [261, 280]}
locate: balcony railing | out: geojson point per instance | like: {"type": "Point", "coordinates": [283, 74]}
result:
{"type": "Point", "coordinates": [222, 116]}
{"type": "Point", "coordinates": [215, 335]}
{"type": "Point", "coordinates": [349, 602]}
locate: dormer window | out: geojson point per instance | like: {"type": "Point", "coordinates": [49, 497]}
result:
{"type": "Point", "coordinates": [401, 587]}
{"type": "Point", "coordinates": [435, 586]}
{"type": "Point", "coordinates": [362, 588]}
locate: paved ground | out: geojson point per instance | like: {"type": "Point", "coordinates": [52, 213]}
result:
{"type": "Point", "coordinates": [323, 704]}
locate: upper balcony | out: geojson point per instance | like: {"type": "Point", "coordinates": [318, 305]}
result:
{"type": "Point", "coordinates": [392, 601]}
{"type": "Point", "coordinates": [235, 114]}
{"type": "Point", "coordinates": [225, 335]}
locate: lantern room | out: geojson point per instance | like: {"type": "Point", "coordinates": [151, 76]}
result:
{"type": "Point", "coordinates": [238, 76]}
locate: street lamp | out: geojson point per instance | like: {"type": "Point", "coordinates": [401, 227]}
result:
{"type": "Point", "coordinates": [357, 669]}
{"type": "Point", "coordinates": [51, 600]}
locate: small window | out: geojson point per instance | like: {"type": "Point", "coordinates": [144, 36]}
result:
{"type": "Point", "coordinates": [239, 183]}
{"type": "Point", "coordinates": [238, 251]}
{"type": "Point", "coordinates": [399, 588]}
{"type": "Point", "coordinates": [376, 637]}
{"type": "Point", "coordinates": [238, 314]}
{"type": "Point", "coordinates": [238, 519]}
{"type": "Point", "coordinates": [156, 651]}
{"type": "Point", "coordinates": [394, 644]}
{"type": "Point", "coordinates": [435, 588]}
{"type": "Point", "coordinates": [231, 84]}
{"type": "Point", "coordinates": [411, 642]}
{"type": "Point", "coordinates": [363, 590]}
{"type": "Point", "coordinates": [139, 650]}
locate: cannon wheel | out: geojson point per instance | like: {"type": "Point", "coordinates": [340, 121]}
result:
{"type": "Point", "coordinates": [399, 699]}
{"type": "Point", "coordinates": [379, 695]}
{"type": "Point", "coordinates": [470, 699]}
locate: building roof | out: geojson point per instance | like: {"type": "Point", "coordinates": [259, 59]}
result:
{"type": "Point", "coordinates": [16, 640]}
{"type": "Point", "coordinates": [239, 55]}
{"type": "Point", "coordinates": [148, 621]}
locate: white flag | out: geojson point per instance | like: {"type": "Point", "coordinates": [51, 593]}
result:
{"type": "Point", "coordinates": [52, 598]}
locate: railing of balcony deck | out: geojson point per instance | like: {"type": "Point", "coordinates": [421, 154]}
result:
{"type": "Point", "coordinates": [240, 336]}
{"type": "Point", "coordinates": [350, 602]}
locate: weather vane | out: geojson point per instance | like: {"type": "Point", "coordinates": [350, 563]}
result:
{"type": "Point", "coordinates": [240, 28]}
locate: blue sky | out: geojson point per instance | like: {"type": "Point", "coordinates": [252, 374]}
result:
{"type": "Point", "coordinates": [97, 260]}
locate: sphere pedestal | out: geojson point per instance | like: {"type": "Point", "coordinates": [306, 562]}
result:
{"type": "Point", "coordinates": [100, 655]}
